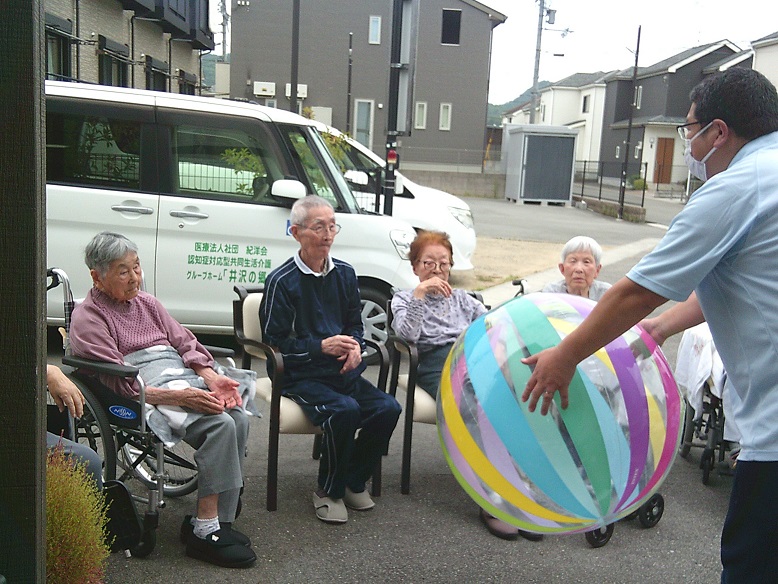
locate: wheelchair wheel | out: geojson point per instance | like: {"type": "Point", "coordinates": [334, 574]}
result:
{"type": "Point", "coordinates": [180, 467]}
{"type": "Point", "coordinates": [599, 537]}
{"type": "Point", "coordinates": [94, 430]}
{"type": "Point", "coordinates": [651, 511]}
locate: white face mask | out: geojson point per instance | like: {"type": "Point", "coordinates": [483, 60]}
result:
{"type": "Point", "coordinates": [697, 167]}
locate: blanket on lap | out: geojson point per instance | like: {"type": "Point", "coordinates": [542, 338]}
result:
{"type": "Point", "coordinates": [162, 366]}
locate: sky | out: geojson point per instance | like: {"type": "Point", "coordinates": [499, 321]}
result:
{"type": "Point", "coordinates": [603, 35]}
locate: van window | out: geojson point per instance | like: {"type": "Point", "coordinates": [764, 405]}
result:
{"type": "Point", "coordinates": [313, 170]}
{"type": "Point", "coordinates": [93, 150]}
{"type": "Point", "coordinates": [227, 162]}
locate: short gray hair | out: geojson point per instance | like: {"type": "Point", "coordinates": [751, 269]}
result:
{"type": "Point", "coordinates": [582, 243]}
{"type": "Point", "coordinates": [302, 207]}
{"type": "Point", "coordinates": [105, 248]}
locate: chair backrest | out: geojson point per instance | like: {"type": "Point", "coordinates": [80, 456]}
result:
{"type": "Point", "coordinates": [246, 317]}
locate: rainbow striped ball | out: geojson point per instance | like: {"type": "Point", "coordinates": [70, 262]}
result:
{"type": "Point", "coordinates": [572, 470]}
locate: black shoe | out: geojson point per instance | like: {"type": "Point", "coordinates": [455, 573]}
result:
{"type": "Point", "coordinates": [219, 550]}
{"type": "Point", "coordinates": [531, 536]}
{"type": "Point", "coordinates": [228, 533]}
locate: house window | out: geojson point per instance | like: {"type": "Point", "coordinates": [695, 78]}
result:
{"type": "Point", "coordinates": [112, 62]}
{"type": "Point", "coordinates": [271, 103]}
{"type": "Point", "coordinates": [59, 41]}
{"type": "Point", "coordinates": [187, 82]}
{"type": "Point", "coordinates": [363, 122]}
{"type": "Point", "coordinates": [585, 105]}
{"type": "Point", "coordinates": [420, 117]}
{"type": "Point", "coordinates": [57, 56]}
{"type": "Point", "coordinates": [156, 74]}
{"type": "Point", "coordinates": [445, 117]}
{"type": "Point", "coordinates": [374, 31]}
{"type": "Point", "coordinates": [638, 96]}
{"type": "Point", "coordinates": [452, 22]}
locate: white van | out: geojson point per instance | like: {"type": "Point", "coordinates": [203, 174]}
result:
{"type": "Point", "coordinates": [422, 207]}
{"type": "Point", "coordinates": [204, 187]}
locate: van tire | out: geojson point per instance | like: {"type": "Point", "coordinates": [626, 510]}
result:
{"type": "Point", "coordinates": [374, 318]}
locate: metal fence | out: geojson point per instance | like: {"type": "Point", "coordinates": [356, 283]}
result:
{"type": "Point", "coordinates": [602, 181]}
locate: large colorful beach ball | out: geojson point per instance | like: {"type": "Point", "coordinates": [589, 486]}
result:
{"type": "Point", "coordinates": [572, 470]}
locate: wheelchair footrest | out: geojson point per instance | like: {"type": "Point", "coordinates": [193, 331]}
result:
{"type": "Point", "coordinates": [124, 524]}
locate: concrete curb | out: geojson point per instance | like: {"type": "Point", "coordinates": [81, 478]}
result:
{"type": "Point", "coordinates": [502, 292]}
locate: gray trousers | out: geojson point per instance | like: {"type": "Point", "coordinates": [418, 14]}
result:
{"type": "Point", "coordinates": [220, 444]}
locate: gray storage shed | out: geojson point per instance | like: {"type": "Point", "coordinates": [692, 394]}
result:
{"type": "Point", "coordinates": [540, 162]}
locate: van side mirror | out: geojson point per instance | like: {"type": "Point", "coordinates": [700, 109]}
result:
{"type": "Point", "coordinates": [288, 189]}
{"type": "Point", "coordinates": [356, 177]}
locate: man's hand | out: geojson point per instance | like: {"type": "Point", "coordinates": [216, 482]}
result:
{"type": "Point", "coordinates": [552, 372]}
{"type": "Point", "coordinates": [64, 392]}
{"type": "Point", "coordinates": [345, 348]}
{"type": "Point", "coordinates": [653, 327]}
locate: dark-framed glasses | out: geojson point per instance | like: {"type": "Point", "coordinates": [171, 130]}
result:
{"type": "Point", "coordinates": [443, 266]}
{"type": "Point", "coordinates": [682, 129]}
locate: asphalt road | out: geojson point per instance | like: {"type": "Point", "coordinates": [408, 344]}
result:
{"type": "Point", "coordinates": [433, 534]}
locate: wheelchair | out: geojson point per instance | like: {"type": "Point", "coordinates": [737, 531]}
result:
{"type": "Point", "coordinates": [115, 427]}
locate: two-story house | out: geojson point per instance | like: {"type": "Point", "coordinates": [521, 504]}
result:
{"type": "Point", "coordinates": [350, 89]}
{"type": "Point", "coordinates": [766, 56]}
{"type": "Point", "coordinates": [146, 44]}
{"type": "Point", "coordinates": [658, 103]}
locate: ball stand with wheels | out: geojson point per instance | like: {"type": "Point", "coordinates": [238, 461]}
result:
{"type": "Point", "coordinates": [649, 514]}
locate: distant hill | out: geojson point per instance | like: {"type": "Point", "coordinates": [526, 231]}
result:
{"type": "Point", "coordinates": [494, 113]}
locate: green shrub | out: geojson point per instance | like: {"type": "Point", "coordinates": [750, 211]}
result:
{"type": "Point", "coordinates": [76, 547]}
{"type": "Point", "coordinates": [638, 184]}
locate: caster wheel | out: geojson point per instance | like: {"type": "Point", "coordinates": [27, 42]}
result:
{"type": "Point", "coordinates": [599, 537]}
{"type": "Point", "coordinates": [146, 545]}
{"type": "Point", "coordinates": [706, 464]}
{"type": "Point", "coordinates": [651, 511]}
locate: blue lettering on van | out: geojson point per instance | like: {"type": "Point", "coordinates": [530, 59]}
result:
{"type": "Point", "coordinates": [122, 412]}
{"type": "Point", "coordinates": [289, 227]}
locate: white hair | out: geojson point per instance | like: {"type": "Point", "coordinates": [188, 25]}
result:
{"type": "Point", "coordinates": [302, 206]}
{"type": "Point", "coordinates": [582, 243]}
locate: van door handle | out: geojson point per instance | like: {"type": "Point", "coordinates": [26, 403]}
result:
{"type": "Point", "coordinates": [188, 215]}
{"type": "Point", "coordinates": [129, 209]}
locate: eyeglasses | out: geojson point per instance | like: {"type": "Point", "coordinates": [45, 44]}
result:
{"type": "Point", "coordinates": [430, 265]}
{"type": "Point", "coordinates": [321, 228]}
{"type": "Point", "coordinates": [682, 129]}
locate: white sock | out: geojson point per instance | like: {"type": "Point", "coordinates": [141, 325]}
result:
{"type": "Point", "coordinates": [204, 527]}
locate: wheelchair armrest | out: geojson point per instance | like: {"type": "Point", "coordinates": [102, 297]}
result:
{"type": "Point", "coordinates": [101, 366]}
{"type": "Point", "coordinates": [220, 352]}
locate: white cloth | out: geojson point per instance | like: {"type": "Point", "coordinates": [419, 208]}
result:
{"type": "Point", "coordinates": [698, 361]}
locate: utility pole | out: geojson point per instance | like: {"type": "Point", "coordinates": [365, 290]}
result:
{"type": "Point", "coordinates": [295, 54]}
{"type": "Point", "coordinates": [394, 89]}
{"type": "Point", "coordinates": [535, 93]}
{"type": "Point", "coordinates": [225, 22]}
{"type": "Point", "coordinates": [348, 82]}
{"type": "Point", "coordinates": [623, 185]}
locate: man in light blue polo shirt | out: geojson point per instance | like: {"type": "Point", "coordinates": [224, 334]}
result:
{"type": "Point", "coordinates": [724, 247]}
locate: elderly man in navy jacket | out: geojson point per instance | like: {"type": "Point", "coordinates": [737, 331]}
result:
{"type": "Point", "coordinates": [311, 311]}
